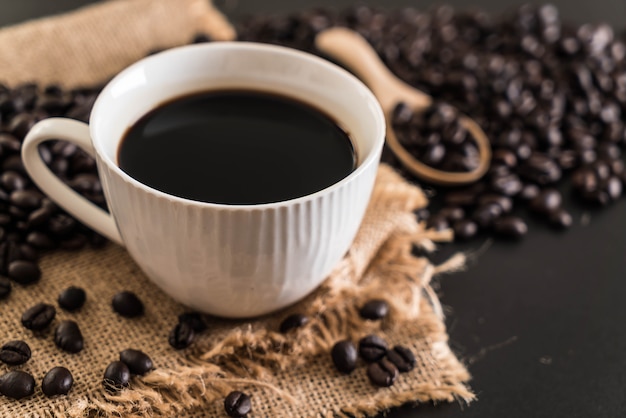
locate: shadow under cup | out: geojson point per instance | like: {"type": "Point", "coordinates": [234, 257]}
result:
{"type": "Point", "coordinates": [237, 260]}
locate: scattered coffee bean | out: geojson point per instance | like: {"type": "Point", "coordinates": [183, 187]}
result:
{"type": "Point", "coordinates": [344, 356]}
{"type": "Point", "coordinates": [116, 376]}
{"type": "Point", "coordinates": [402, 357]}
{"type": "Point", "coordinates": [38, 317]}
{"type": "Point", "coordinates": [237, 404]}
{"type": "Point", "coordinates": [560, 218]}
{"type": "Point", "coordinates": [17, 384]}
{"type": "Point", "coordinates": [15, 352]}
{"type": "Point", "coordinates": [194, 319]}
{"type": "Point", "coordinates": [58, 381]}
{"type": "Point", "coordinates": [547, 201]}
{"type": "Point", "coordinates": [510, 227]}
{"type": "Point", "coordinates": [138, 362]}
{"type": "Point", "coordinates": [181, 336]}
{"type": "Point", "coordinates": [465, 229]}
{"type": "Point", "coordinates": [68, 337]}
{"type": "Point", "coordinates": [127, 304]}
{"type": "Point", "coordinates": [292, 322]}
{"type": "Point", "coordinates": [372, 348]}
{"type": "Point", "coordinates": [382, 373]}
{"type": "Point", "coordinates": [72, 299]}
{"type": "Point", "coordinates": [24, 272]}
{"type": "Point", "coordinates": [5, 288]}
{"type": "Point", "coordinates": [374, 309]}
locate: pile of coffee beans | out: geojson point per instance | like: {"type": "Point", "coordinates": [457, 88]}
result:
{"type": "Point", "coordinates": [550, 96]}
{"type": "Point", "coordinates": [18, 384]}
{"type": "Point", "coordinates": [384, 364]}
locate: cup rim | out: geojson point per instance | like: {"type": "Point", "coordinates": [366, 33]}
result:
{"type": "Point", "coordinates": [371, 158]}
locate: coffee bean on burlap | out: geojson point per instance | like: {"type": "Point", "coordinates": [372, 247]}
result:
{"type": "Point", "coordinates": [67, 336]}
{"type": "Point", "coordinates": [181, 336]}
{"type": "Point", "coordinates": [382, 373]}
{"type": "Point", "coordinates": [194, 319]}
{"type": "Point", "coordinates": [24, 272]}
{"type": "Point", "coordinates": [17, 384]}
{"type": "Point", "coordinates": [372, 348]}
{"type": "Point", "coordinates": [15, 352]}
{"type": "Point", "coordinates": [127, 304]}
{"type": "Point", "coordinates": [374, 309]}
{"type": "Point", "coordinates": [58, 381]}
{"type": "Point", "coordinates": [402, 357]}
{"type": "Point", "coordinates": [116, 376]}
{"type": "Point", "coordinates": [344, 356]}
{"type": "Point", "coordinates": [72, 299]}
{"type": "Point", "coordinates": [138, 362]}
{"type": "Point", "coordinates": [5, 288]}
{"type": "Point", "coordinates": [237, 404]}
{"type": "Point", "coordinates": [292, 322]}
{"type": "Point", "coordinates": [38, 317]}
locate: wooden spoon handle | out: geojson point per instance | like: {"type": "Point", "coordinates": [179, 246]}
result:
{"type": "Point", "coordinates": [352, 50]}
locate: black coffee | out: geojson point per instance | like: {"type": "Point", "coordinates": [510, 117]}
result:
{"type": "Point", "coordinates": [236, 147]}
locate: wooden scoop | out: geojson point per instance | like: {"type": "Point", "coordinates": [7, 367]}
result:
{"type": "Point", "coordinates": [353, 51]}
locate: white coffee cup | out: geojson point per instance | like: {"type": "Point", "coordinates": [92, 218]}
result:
{"type": "Point", "coordinates": [226, 260]}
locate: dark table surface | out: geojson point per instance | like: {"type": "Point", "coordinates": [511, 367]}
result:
{"type": "Point", "coordinates": [540, 323]}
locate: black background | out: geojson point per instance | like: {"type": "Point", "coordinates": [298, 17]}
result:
{"type": "Point", "coordinates": [540, 323]}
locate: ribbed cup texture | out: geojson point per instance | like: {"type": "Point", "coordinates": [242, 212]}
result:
{"type": "Point", "coordinates": [237, 261]}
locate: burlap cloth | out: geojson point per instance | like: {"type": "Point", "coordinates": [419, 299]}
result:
{"type": "Point", "coordinates": [287, 376]}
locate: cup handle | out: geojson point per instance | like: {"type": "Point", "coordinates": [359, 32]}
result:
{"type": "Point", "coordinates": [78, 134]}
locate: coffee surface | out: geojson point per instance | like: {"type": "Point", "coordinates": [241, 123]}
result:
{"type": "Point", "coordinates": [236, 147]}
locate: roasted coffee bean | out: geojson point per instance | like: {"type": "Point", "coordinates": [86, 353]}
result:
{"type": "Point", "coordinates": [17, 384]}
{"type": "Point", "coordinates": [597, 197]}
{"type": "Point", "coordinates": [422, 214]}
{"type": "Point", "coordinates": [402, 357]}
{"type": "Point", "coordinates": [58, 381]}
{"type": "Point", "coordinates": [437, 222]}
{"type": "Point", "coordinates": [292, 322]}
{"type": "Point", "coordinates": [344, 356]}
{"type": "Point", "coordinates": [38, 317]}
{"type": "Point", "coordinates": [465, 229]}
{"type": "Point", "coordinates": [508, 185]}
{"type": "Point", "coordinates": [237, 404]}
{"type": "Point", "coordinates": [613, 187]}
{"type": "Point", "coordinates": [484, 215]}
{"type": "Point", "coordinates": [181, 336]}
{"type": "Point", "coordinates": [12, 181]}
{"type": "Point", "coordinates": [541, 169]}
{"type": "Point", "coordinates": [529, 192]}
{"type": "Point", "coordinates": [40, 240]}
{"type": "Point", "coordinates": [39, 217]}
{"type": "Point", "coordinates": [68, 337]}
{"type": "Point", "coordinates": [138, 362]}
{"type": "Point", "coordinates": [5, 288]}
{"type": "Point", "coordinates": [460, 198]}
{"type": "Point", "coordinates": [61, 225]}
{"type": "Point", "coordinates": [24, 272]}
{"type": "Point", "coordinates": [452, 213]}
{"type": "Point", "coordinates": [382, 373]}
{"type": "Point", "coordinates": [26, 199]}
{"type": "Point", "coordinates": [372, 348]}
{"type": "Point", "coordinates": [116, 376]}
{"type": "Point", "coordinates": [585, 180]}
{"type": "Point", "coordinates": [72, 299]}
{"type": "Point", "coordinates": [547, 201]}
{"type": "Point", "coordinates": [127, 304]}
{"type": "Point", "coordinates": [15, 352]}
{"type": "Point", "coordinates": [510, 227]}
{"type": "Point", "coordinates": [504, 156]}
{"type": "Point", "coordinates": [374, 309]}
{"type": "Point", "coordinates": [194, 319]}
{"type": "Point", "coordinates": [505, 203]}
{"type": "Point", "coordinates": [560, 218]}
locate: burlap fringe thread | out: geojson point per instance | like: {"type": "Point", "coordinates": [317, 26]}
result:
{"type": "Point", "coordinates": [211, 371]}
